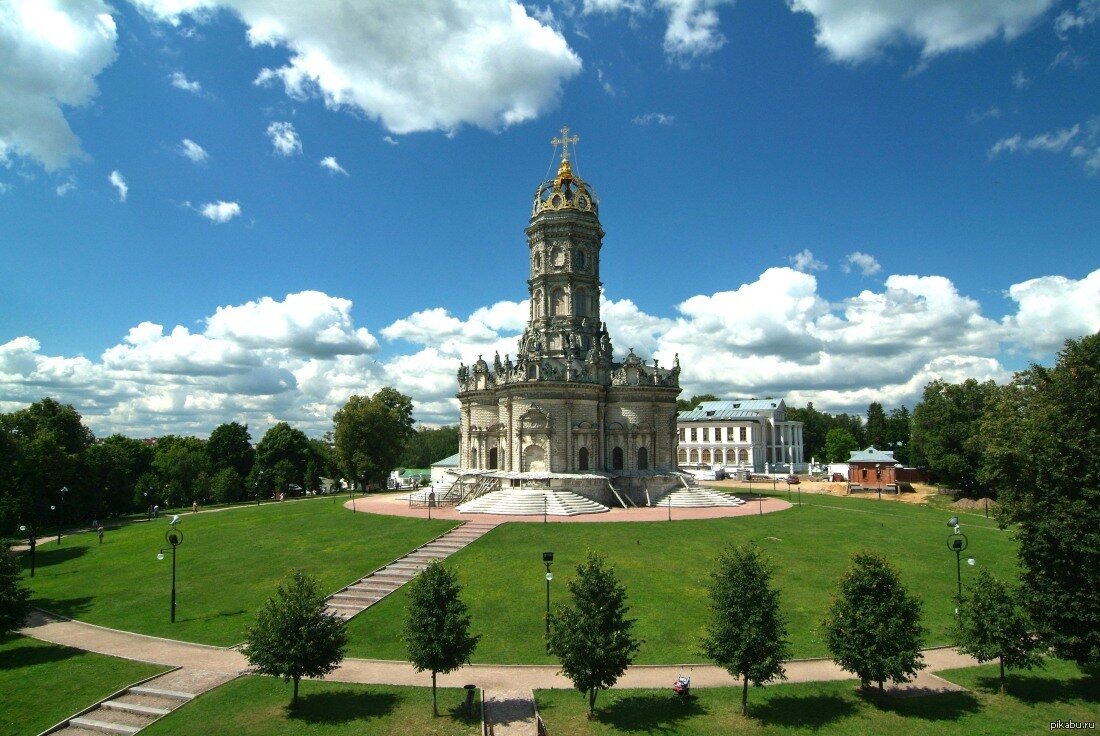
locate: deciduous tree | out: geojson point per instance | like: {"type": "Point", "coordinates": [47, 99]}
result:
{"type": "Point", "coordinates": [437, 624]}
{"type": "Point", "coordinates": [370, 434]}
{"type": "Point", "coordinates": [14, 596]}
{"type": "Point", "coordinates": [839, 445]}
{"type": "Point", "coordinates": [294, 636]}
{"type": "Point", "coordinates": [591, 636]}
{"type": "Point", "coordinates": [873, 625]}
{"type": "Point", "coordinates": [747, 632]}
{"type": "Point", "coordinates": [991, 625]}
{"type": "Point", "coordinates": [946, 436]}
{"type": "Point", "coordinates": [230, 446]}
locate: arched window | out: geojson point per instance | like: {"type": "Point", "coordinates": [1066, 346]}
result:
{"type": "Point", "coordinates": [694, 456]}
{"type": "Point", "coordinates": [643, 458]}
{"type": "Point", "coordinates": [580, 303]}
{"type": "Point", "coordinates": [534, 459]}
{"type": "Point", "coordinates": [582, 459]}
{"type": "Point", "coordinates": [579, 258]}
{"type": "Point", "coordinates": [743, 456]}
{"type": "Point", "coordinates": [617, 459]}
{"type": "Point", "coordinates": [536, 307]}
{"type": "Point", "coordinates": [706, 456]}
{"type": "Point", "coordinates": [682, 456]}
{"type": "Point", "coordinates": [532, 372]}
{"type": "Point", "coordinates": [557, 301]}
{"type": "Point", "coordinates": [493, 459]}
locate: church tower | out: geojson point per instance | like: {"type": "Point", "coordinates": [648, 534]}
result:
{"type": "Point", "coordinates": [565, 413]}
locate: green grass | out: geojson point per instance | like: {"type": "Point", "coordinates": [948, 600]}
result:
{"type": "Point", "coordinates": [44, 683]}
{"type": "Point", "coordinates": [665, 567]}
{"type": "Point", "coordinates": [258, 705]}
{"type": "Point", "coordinates": [229, 563]}
{"type": "Point", "coordinates": [1033, 700]}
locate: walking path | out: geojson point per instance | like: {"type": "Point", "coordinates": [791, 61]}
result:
{"type": "Point", "coordinates": [365, 592]}
{"type": "Point", "coordinates": [230, 662]}
{"type": "Point", "coordinates": [511, 712]}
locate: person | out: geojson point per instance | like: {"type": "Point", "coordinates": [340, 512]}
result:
{"type": "Point", "coordinates": [194, 507]}
{"type": "Point", "coordinates": [156, 511]}
{"type": "Point", "coordinates": [99, 531]}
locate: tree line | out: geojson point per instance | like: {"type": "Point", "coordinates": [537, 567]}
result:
{"type": "Point", "coordinates": [47, 447]}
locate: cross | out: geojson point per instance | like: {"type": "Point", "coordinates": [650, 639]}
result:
{"type": "Point", "coordinates": [565, 140]}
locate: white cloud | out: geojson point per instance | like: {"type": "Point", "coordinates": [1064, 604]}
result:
{"type": "Point", "coordinates": [179, 80]}
{"type": "Point", "coordinates": [1086, 13]}
{"type": "Point", "coordinates": [220, 211]}
{"type": "Point", "coordinates": [659, 118]}
{"type": "Point", "coordinates": [193, 151]}
{"type": "Point", "coordinates": [1021, 80]}
{"type": "Point", "coordinates": [804, 261]}
{"type": "Point", "coordinates": [432, 65]}
{"type": "Point", "coordinates": [857, 30]}
{"type": "Point", "coordinates": [284, 138]}
{"type": "Point", "coordinates": [1081, 141]}
{"type": "Point", "coordinates": [50, 54]}
{"type": "Point", "coordinates": [119, 183]}
{"type": "Point", "coordinates": [977, 116]}
{"type": "Point", "coordinates": [867, 264]}
{"type": "Point", "coordinates": [390, 139]}
{"type": "Point", "coordinates": [1052, 307]}
{"type": "Point", "coordinates": [692, 29]}
{"type": "Point", "coordinates": [330, 163]}
{"type": "Point", "coordinates": [66, 186]}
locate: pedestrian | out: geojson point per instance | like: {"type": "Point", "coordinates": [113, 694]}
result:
{"type": "Point", "coordinates": [156, 511]}
{"type": "Point", "coordinates": [194, 507]}
{"type": "Point", "coordinates": [99, 530]}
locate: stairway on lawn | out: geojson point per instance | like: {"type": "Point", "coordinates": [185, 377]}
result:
{"type": "Point", "coordinates": [367, 591]}
{"type": "Point", "coordinates": [140, 705]}
{"type": "Point", "coordinates": [511, 713]}
{"type": "Point", "coordinates": [532, 502]}
{"type": "Point", "coordinates": [698, 497]}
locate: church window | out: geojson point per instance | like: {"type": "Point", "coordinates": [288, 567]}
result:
{"type": "Point", "coordinates": [580, 259]}
{"type": "Point", "coordinates": [537, 305]}
{"type": "Point", "coordinates": [617, 458]}
{"type": "Point", "coordinates": [643, 458]}
{"type": "Point", "coordinates": [532, 372]}
{"type": "Point", "coordinates": [557, 299]}
{"type": "Point", "coordinates": [580, 303]}
{"type": "Point", "coordinates": [682, 456]}
{"type": "Point", "coordinates": [706, 456]}
{"type": "Point", "coordinates": [493, 458]}
{"type": "Point", "coordinates": [744, 434]}
{"type": "Point", "coordinates": [538, 262]}
{"type": "Point", "coordinates": [582, 459]}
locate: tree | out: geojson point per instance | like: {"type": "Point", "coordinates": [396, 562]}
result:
{"type": "Point", "coordinates": [183, 469]}
{"type": "Point", "coordinates": [370, 434]}
{"type": "Point", "coordinates": [14, 596]}
{"type": "Point", "coordinates": [991, 625]}
{"type": "Point", "coordinates": [437, 625]}
{"type": "Point", "coordinates": [430, 445]}
{"type": "Point", "coordinates": [873, 626]}
{"type": "Point", "coordinates": [815, 425]}
{"type": "Point", "coordinates": [294, 636]}
{"type": "Point", "coordinates": [747, 633]}
{"type": "Point", "coordinates": [591, 637]}
{"type": "Point", "coordinates": [946, 432]}
{"type": "Point", "coordinates": [898, 425]}
{"type": "Point", "coordinates": [839, 445]}
{"type": "Point", "coordinates": [1039, 440]}
{"type": "Point", "coordinates": [112, 468]}
{"type": "Point", "coordinates": [230, 446]}
{"type": "Point", "coordinates": [227, 486]}
{"type": "Point", "coordinates": [282, 456]}
{"type": "Point", "coordinates": [875, 429]}
{"type": "Point", "coordinates": [694, 401]}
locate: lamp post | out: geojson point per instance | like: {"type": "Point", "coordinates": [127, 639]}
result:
{"type": "Point", "coordinates": [957, 542]}
{"type": "Point", "coordinates": [32, 541]}
{"type": "Point", "coordinates": [60, 512]}
{"type": "Point", "coordinates": [174, 538]}
{"type": "Point", "coordinates": [259, 483]}
{"type": "Point", "coordinates": [548, 560]}
{"type": "Point", "coordinates": [878, 479]}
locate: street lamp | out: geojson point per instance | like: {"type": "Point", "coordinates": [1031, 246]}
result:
{"type": "Point", "coordinates": [548, 560]}
{"type": "Point", "coordinates": [957, 542]}
{"type": "Point", "coordinates": [32, 542]}
{"type": "Point", "coordinates": [174, 538]}
{"type": "Point", "coordinates": [878, 479]}
{"type": "Point", "coordinates": [60, 512]}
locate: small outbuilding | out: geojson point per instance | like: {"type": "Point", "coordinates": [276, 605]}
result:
{"type": "Point", "coordinates": [440, 468]}
{"type": "Point", "coordinates": [872, 468]}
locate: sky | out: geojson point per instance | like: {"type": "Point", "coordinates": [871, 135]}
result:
{"type": "Point", "coordinates": [249, 210]}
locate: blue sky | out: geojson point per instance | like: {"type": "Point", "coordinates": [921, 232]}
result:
{"type": "Point", "coordinates": [250, 209]}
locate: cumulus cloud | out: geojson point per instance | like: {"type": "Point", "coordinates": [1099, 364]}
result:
{"type": "Point", "coordinates": [284, 138]}
{"type": "Point", "coordinates": [50, 54]}
{"type": "Point", "coordinates": [867, 264]}
{"type": "Point", "coordinates": [433, 65]}
{"type": "Point", "coordinates": [804, 261]}
{"type": "Point", "coordinates": [298, 358]}
{"type": "Point", "coordinates": [330, 163]}
{"type": "Point", "coordinates": [857, 30]}
{"type": "Point", "coordinates": [179, 80]}
{"type": "Point", "coordinates": [193, 151]}
{"type": "Point", "coordinates": [119, 184]}
{"type": "Point", "coordinates": [692, 30]}
{"type": "Point", "coordinates": [659, 118]}
{"type": "Point", "coordinates": [219, 211]}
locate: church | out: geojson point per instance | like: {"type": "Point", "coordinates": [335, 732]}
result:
{"type": "Point", "coordinates": [563, 413]}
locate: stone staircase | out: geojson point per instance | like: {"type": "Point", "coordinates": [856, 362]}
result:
{"type": "Point", "coordinates": [698, 497]}
{"type": "Point", "coordinates": [511, 713]}
{"type": "Point", "coordinates": [365, 592]}
{"type": "Point", "coordinates": [532, 502]}
{"type": "Point", "coordinates": [138, 706]}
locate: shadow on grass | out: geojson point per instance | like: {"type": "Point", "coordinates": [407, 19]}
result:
{"type": "Point", "coordinates": [932, 707]}
{"type": "Point", "coordinates": [29, 656]}
{"type": "Point", "coordinates": [47, 555]}
{"type": "Point", "coordinates": [1038, 689]}
{"type": "Point", "coordinates": [341, 706]}
{"type": "Point", "coordinates": [67, 607]}
{"type": "Point", "coordinates": [791, 711]}
{"type": "Point", "coordinates": [212, 616]}
{"type": "Point", "coordinates": [650, 713]}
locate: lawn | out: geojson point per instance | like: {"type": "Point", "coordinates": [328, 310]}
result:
{"type": "Point", "coordinates": [665, 565]}
{"type": "Point", "coordinates": [1032, 701]}
{"type": "Point", "coordinates": [229, 563]}
{"type": "Point", "coordinates": [258, 705]}
{"type": "Point", "coordinates": [44, 683]}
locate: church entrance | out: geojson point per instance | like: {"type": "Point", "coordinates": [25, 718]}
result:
{"type": "Point", "coordinates": [534, 459]}
{"type": "Point", "coordinates": [643, 458]}
{"type": "Point", "coordinates": [617, 459]}
{"type": "Point", "coordinates": [493, 459]}
{"type": "Point", "coordinates": [582, 459]}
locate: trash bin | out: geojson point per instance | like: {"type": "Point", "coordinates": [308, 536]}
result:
{"type": "Point", "coordinates": [470, 700]}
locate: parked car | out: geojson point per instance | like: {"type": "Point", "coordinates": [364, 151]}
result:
{"type": "Point", "coordinates": [792, 479]}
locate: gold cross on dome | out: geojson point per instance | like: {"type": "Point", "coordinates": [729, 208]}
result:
{"type": "Point", "coordinates": [565, 140]}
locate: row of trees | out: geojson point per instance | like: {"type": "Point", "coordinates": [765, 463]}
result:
{"type": "Point", "coordinates": [46, 447]}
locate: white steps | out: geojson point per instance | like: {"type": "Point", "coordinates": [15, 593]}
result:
{"type": "Point", "coordinates": [532, 502]}
{"type": "Point", "coordinates": [698, 497]}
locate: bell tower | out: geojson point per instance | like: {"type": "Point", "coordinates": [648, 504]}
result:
{"type": "Point", "coordinates": [564, 238]}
